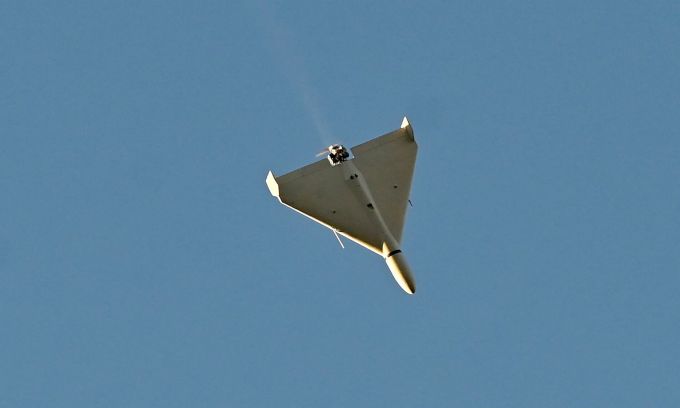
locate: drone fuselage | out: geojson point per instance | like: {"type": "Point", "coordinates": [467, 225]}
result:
{"type": "Point", "coordinates": [391, 250]}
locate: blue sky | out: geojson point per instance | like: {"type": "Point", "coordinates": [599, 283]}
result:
{"type": "Point", "coordinates": [144, 263]}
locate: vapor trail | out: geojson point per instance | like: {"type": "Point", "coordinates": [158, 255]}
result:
{"type": "Point", "coordinates": [292, 64]}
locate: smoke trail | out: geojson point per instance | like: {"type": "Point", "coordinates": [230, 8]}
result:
{"type": "Point", "coordinates": [292, 64]}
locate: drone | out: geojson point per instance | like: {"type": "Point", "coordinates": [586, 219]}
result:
{"type": "Point", "coordinates": [359, 193]}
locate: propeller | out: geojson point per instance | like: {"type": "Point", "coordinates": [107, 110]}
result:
{"type": "Point", "coordinates": [328, 150]}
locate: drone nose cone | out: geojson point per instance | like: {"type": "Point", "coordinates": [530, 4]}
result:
{"type": "Point", "coordinates": [410, 288]}
{"type": "Point", "coordinates": [401, 272]}
{"type": "Point", "coordinates": [408, 284]}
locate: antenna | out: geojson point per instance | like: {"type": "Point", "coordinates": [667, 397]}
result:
{"type": "Point", "coordinates": [338, 237]}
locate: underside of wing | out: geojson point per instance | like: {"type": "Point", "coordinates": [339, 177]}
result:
{"type": "Point", "coordinates": [327, 195]}
{"type": "Point", "coordinates": [387, 163]}
{"type": "Point", "coordinates": [363, 198]}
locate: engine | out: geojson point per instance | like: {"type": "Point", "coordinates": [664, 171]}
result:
{"type": "Point", "coordinates": [337, 154]}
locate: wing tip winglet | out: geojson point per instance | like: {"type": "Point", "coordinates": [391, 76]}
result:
{"type": "Point", "coordinates": [405, 124]}
{"type": "Point", "coordinates": [272, 184]}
